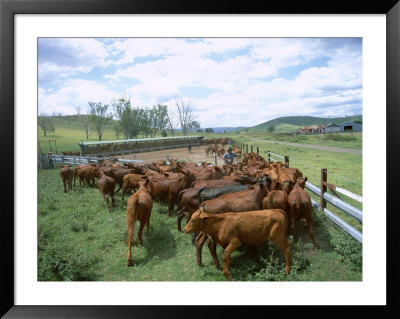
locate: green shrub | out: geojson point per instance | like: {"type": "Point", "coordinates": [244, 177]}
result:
{"type": "Point", "coordinates": [349, 248]}
{"type": "Point", "coordinates": [61, 260]}
{"type": "Point", "coordinates": [335, 137]}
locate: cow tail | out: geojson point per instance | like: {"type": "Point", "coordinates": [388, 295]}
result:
{"type": "Point", "coordinates": [180, 204]}
{"type": "Point", "coordinates": [287, 223]}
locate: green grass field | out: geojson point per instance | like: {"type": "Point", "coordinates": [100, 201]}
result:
{"type": "Point", "coordinates": [78, 239]}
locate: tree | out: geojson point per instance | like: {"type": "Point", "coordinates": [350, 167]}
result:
{"type": "Point", "coordinates": [124, 114]}
{"type": "Point", "coordinates": [118, 130]}
{"type": "Point", "coordinates": [99, 117]}
{"type": "Point", "coordinates": [199, 130]}
{"type": "Point", "coordinates": [186, 116]}
{"type": "Point", "coordinates": [46, 123]}
{"type": "Point", "coordinates": [271, 128]}
{"type": "Point", "coordinates": [158, 118]}
{"type": "Point", "coordinates": [84, 121]}
{"type": "Point", "coordinates": [246, 129]}
{"type": "Point", "coordinates": [209, 130]}
{"type": "Point", "coordinates": [171, 125]}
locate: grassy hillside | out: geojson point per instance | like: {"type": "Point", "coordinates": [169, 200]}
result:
{"type": "Point", "coordinates": [293, 123]}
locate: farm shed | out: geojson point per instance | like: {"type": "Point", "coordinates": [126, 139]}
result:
{"type": "Point", "coordinates": [350, 127]}
{"type": "Point", "coordinates": [114, 147]}
{"type": "Point", "coordinates": [332, 128]}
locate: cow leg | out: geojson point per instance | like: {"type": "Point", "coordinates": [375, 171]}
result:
{"type": "Point", "coordinates": [123, 192]}
{"type": "Point", "coordinates": [131, 228]}
{"type": "Point", "coordinates": [112, 199]}
{"type": "Point", "coordinates": [292, 228]}
{"type": "Point", "coordinates": [140, 231]}
{"type": "Point", "coordinates": [200, 240]}
{"type": "Point", "coordinates": [120, 186]}
{"type": "Point", "coordinates": [106, 199]}
{"type": "Point", "coordinates": [181, 214]}
{"type": "Point", "coordinates": [212, 246]}
{"type": "Point", "coordinates": [282, 242]}
{"type": "Point", "coordinates": [64, 182]}
{"type": "Point", "coordinates": [310, 224]}
{"type": "Point", "coordinates": [226, 256]}
{"type": "Point", "coordinates": [170, 204]}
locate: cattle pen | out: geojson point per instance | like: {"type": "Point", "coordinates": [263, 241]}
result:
{"type": "Point", "coordinates": [97, 235]}
{"type": "Point", "coordinates": [140, 145]}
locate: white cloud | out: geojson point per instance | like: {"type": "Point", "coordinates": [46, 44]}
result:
{"type": "Point", "coordinates": [75, 93]}
{"type": "Point", "coordinates": [239, 77]}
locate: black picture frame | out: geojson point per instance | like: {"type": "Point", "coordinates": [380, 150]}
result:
{"type": "Point", "coordinates": [8, 8]}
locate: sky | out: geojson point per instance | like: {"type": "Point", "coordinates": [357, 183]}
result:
{"type": "Point", "coordinates": [228, 82]}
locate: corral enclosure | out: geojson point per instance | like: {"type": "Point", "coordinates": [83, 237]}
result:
{"type": "Point", "coordinates": [114, 147]}
{"type": "Point", "coordinates": [80, 219]}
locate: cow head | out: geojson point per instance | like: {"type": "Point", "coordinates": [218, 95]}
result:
{"type": "Point", "coordinates": [301, 181]}
{"type": "Point", "coordinates": [196, 221]}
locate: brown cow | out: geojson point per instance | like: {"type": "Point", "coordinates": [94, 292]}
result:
{"type": "Point", "coordinates": [237, 202]}
{"type": "Point", "coordinates": [169, 188]}
{"type": "Point", "coordinates": [300, 206]}
{"type": "Point", "coordinates": [252, 228]}
{"type": "Point", "coordinates": [277, 199]}
{"type": "Point", "coordinates": [67, 174]}
{"type": "Point", "coordinates": [118, 175]}
{"type": "Point", "coordinates": [90, 173]}
{"type": "Point", "coordinates": [131, 181]}
{"type": "Point", "coordinates": [139, 207]}
{"type": "Point", "coordinates": [242, 201]}
{"type": "Point", "coordinates": [106, 186]}
{"type": "Point", "coordinates": [213, 172]}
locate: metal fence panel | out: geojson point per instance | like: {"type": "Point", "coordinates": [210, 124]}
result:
{"type": "Point", "coordinates": [341, 223]}
{"type": "Point", "coordinates": [347, 208]}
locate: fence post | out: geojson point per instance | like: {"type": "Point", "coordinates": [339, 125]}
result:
{"type": "Point", "coordinates": [97, 159]}
{"type": "Point", "coordinates": [122, 155]}
{"type": "Point", "coordinates": [247, 148]}
{"type": "Point", "coordinates": [167, 157]}
{"type": "Point", "coordinates": [257, 150]}
{"type": "Point", "coordinates": [62, 158]}
{"type": "Point", "coordinates": [79, 159]}
{"type": "Point", "coordinates": [269, 156]}
{"type": "Point", "coordinates": [134, 156]}
{"type": "Point", "coordinates": [324, 178]}
{"type": "Point", "coordinates": [215, 159]}
{"type": "Point", "coordinates": [74, 160]}
{"type": "Point", "coordinates": [286, 160]}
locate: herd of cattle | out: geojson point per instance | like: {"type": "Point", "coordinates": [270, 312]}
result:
{"type": "Point", "coordinates": [230, 205]}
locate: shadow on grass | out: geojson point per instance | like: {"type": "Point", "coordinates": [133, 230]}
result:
{"type": "Point", "coordinates": [160, 243]}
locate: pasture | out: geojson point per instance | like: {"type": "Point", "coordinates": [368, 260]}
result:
{"type": "Point", "coordinates": [78, 239]}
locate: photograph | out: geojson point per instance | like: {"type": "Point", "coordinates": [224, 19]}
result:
{"type": "Point", "coordinates": [150, 148]}
{"type": "Point", "coordinates": [154, 134]}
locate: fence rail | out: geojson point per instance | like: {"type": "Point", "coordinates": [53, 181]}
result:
{"type": "Point", "coordinates": [77, 160]}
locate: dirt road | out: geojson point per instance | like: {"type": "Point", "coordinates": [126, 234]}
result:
{"type": "Point", "coordinates": [317, 147]}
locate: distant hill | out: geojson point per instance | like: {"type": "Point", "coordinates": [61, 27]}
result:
{"type": "Point", "coordinates": [293, 123]}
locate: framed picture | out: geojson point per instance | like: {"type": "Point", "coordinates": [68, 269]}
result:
{"type": "Point", "coordinates": [155, 19]}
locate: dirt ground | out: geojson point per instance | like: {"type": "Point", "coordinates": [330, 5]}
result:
{"type": "Point", "coordinates": [197, 155]}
